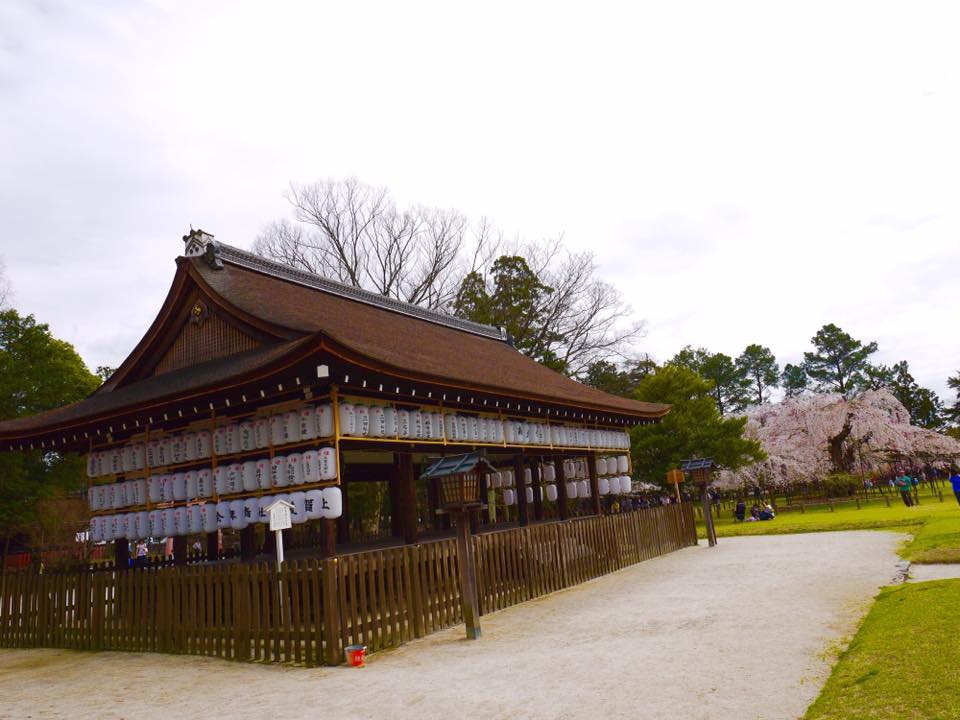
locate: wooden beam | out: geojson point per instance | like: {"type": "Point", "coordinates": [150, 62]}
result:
{"type": "Point", "coordinates": [248, 543]}
{"type": "Point", "coordinates": [180, 550]}
{"type": "Point", "coordinates": [328, 537]}
{"type": "Point", "coordinates": [537, 490]}
{"type": "Point", "coordinates": [121, 553]}
{"type": "Point", "coordinates": [213, 545]}
{"type": "Point", "coordinates": [407, 497]}
{"type": "Point", "coordinates": [343, 522]}
{"type": "Point", "coordinates": [594, 484]}
{"type": "Point", "coordinates": [518, 468]}
{"type": "Point", "coordinates": [562, 508]}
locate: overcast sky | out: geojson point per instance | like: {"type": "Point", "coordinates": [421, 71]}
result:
{"type": "Point", "coordinates": [743, 173]}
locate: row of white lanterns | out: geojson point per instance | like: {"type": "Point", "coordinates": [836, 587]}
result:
{"type": "Point", "coordinates": [310, 466]}
{"type": "Point", "coordinates": [617, 485]}
{"type": "Point", "coordinates": [356, 420]}
{"type": "Point", "coordinates": [210, 517]}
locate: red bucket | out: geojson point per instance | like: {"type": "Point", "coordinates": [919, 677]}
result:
{"type": "Point", "coordinates": [356, 655]}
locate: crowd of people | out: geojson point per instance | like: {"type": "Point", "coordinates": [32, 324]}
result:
{"type": "Point", "coordinates": [759, 512]}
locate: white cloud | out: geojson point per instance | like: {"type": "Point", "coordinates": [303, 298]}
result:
{"type": "Point", "coordinates": [744, 172]}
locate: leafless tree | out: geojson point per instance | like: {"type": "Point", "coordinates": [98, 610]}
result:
{"type": "Point", "coordinates": [356, 234]}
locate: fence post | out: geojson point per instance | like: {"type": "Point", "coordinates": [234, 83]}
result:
{"type": "Point", "coordinates": [331, 613]}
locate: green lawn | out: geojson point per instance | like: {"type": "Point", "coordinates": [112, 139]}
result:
{"type": "Point", "coordinates": [935, 525]}
{"type": "Point", "coordinates": [902, 662]}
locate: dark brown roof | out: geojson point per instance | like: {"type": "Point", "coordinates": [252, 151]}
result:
{"type": "Point", "coordinates": [157, 388]}
{"type": "Point", "coordinates": [425, 348]}
{"type": "Point", "coordinates": [389, 336]}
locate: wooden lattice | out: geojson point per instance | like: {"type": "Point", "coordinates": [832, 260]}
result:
{"type": "Point", "coordinates": [198, 342]}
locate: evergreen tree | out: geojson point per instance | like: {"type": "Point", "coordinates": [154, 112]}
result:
{"type": "Point", "coordinates": [839, 362]}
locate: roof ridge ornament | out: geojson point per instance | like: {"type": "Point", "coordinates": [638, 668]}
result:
{"type": "Point", "coordinates": [201, 244]}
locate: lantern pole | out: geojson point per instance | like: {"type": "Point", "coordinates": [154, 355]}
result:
{"type": "Point", "coordinates": [468, 575]}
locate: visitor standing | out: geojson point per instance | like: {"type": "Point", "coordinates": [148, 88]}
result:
{"type": "Point", "coordinates": [955, 482]}
{"type": "Point", "coordinates": [905, 487]}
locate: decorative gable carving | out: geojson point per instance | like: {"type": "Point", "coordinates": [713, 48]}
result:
{"type": "Point", "coordinates": [205, 336]}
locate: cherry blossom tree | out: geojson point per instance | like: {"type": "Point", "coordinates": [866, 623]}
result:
{"type": "Point", "coordinates": [807, 437]}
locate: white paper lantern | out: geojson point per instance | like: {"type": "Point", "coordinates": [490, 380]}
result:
{"type": "Point", "coordinates": [262, 504]}
{"type": "Point", "coordinates": [362, 419]}
{"type": "Point", "coordinates": [450, 427]}
{"type": "Point", "coordinates": [463, 428]}
{"type": "Point", "coordinates": [249, 475]}
{"type": "Point", "coordinates": [261, 433]}
{"type": "Point", "coordinates": [96, 530]}
{"type": "Point", "coordinates": [527, 476]}
{"type": "Point", "coordinates": [313, 504]}
{"type": "Point", "coordinates": [178, 450]}
{"type": "Point", "coordinates": [119, 495]}
{"type": "Point", "coordinates": [294, 469]}
{"type": "Point", "coordinates": [332, 503]}
{"type": "Point", "coordinates": [203, 444]}
{"type": "Point", "coordinates": [194, 519]}
{"type": "Point", "coordinates": [94, 497]}
{"type": "Point", "coordinates": [116, 461]}
{"type": "Point", "coordinates": [552, 493]}
{"type": "Point", "coordinates": [277, 435]}
{"type": "Point", "coordinates": [190, 484]}
{"type": "Point", "coordinates": [155, 488]}
{"type": "Point", "coordinates": [308, 423]}
{"type": "Point", "coordinates": [529, 494]}
{"type": "Point", "coordinates": [205, 483]}
{"type": "Point", "coordinates": [142, 524]}
{"type": "Point", "coordinates": [220, 441]}
{"type": "Point", "coordinates": [155, 518]}
{"type": "Point", "coordinates": [583, 489]}
{"type": "Point", "coordinates": [169, 521]}
{"type": "Point", "coordinates": [348, 419]}
{"type": "Point", "coordinates": [220, 479]}
{"type": "Point", "coordinates": [237, 519]}
{"type": "Point", "coordinates": [189, 446]}
{"type": "Point", "coordinates": [247, 435]}
{"type": "Point", "coordinates": [234, 478]}
{"type": "Point", "coordinates": [603, 485]}
{"type": "Point", "coordinates": [223, 514]}
{"type": "Point", "coordinates": [278, 471]}
{"type": "Point", "coordinates": [389, 422]}
{"type": "Point", "coordinates": [328, 463]}
{"type": "Point", "coordinates": [623, 464]}
{"type": "Point", "coordinates": [139, 491]}
{"type": "Point", "coordinates": [311, 466]}
{"type": "Point", "coordinates": [126, 459]}
{"type": "Point", "coordinates": [291, 426]}
{"type": "Point", "coordinates": [549, 473]}
{"type": "Point", "coordinates": [179, 486]}
{"type": "Point", "coordinates": [324, 420]}
{"type": "Point", "coordinates": [509, 497]}
{"type": "Point", "coordinates": [92, 466]}
{"type": "Point", "coordinates": [378, 423]}
{"type": "Point", "coordinates": [112, 528]}
{"type": "Point", "coordinates": [251, 510]}
{"type": "Point", "coordinates": [209, 513]}
{"type": "Point", "coordinates": [263, 474]}
{"type": "Point", "coordinates": [298, 513]}
{"type": "Point", "coordinates": [427, 419]}
{"type": "Point", "coordinates": [601, 466]}
{"type": "Point", "coordinates": [232, 438]}
{"type": "Point", "coordinates": [493, 480]}
{"type": "Point", "coordinates": [572, 488]}
{"type": "Point", "coordinates": [403, 423]}
{"type": "Point", "coordinates": [473, 429]}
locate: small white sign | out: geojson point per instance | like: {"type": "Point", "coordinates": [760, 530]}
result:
{"type": "Point", "coordinates": [280, 515]}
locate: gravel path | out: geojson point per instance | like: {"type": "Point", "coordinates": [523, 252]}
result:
{"type": "Point", "coordinates": [946, 571]}
{"type": "Point", "coordinates": [738, 631]}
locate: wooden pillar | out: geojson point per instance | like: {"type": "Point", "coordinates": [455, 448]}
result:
{"type": "Point", "coordinates": [328, 537]}
{"type": "Point", "coordinates": [343, 522]}
{"type": "Point", "coordinates": [269, 542]}
{"type": "Point", "coordinates": [433, 504]}
{"type": "Point", "coordinates": [594, 484]}
{"type": "Point", "coordinates": [180, 550]}
{"type": "Point", "coordinates": [248, 543]}
{"type": "Point", "coordinates": [407, 496]}
{"type": "Point", "coordinates": [518, 467]}
{"type": "Point", "coordinates": [121, 553]}
{"type": "Point", "coordinates": [396, 519]}
{"type": "Point", "coordinates": [561, 487]}
{"type": "Point", "coordinates": [537, 490]}
{"type": "Point", "coordinates": [468, 576]}
{"type": "Point", "coordinates": [708, 516]}
{"type": "Point", "coordinates": [213, 545]}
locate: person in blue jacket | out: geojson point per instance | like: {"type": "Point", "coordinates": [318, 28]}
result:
{"type": "Point", "coordinates": [955, 481]}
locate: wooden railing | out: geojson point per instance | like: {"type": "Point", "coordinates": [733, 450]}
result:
{"type": "Point", "coordinates": [311, 609]}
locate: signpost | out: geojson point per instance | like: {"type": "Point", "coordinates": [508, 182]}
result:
{"type": "Point", "coordinates": [675, 477]}
{"type": "Point", "coordinates": [280, 520]}
{"type": "Point", "coordinates": [700, 470]}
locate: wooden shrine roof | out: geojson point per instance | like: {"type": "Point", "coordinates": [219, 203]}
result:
{"type": "Point", "coordinates": [281, 310]}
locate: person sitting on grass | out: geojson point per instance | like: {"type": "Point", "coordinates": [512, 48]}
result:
{"type": "Point", "coordinates": [741, 510]}
{"type": "Point", "coordinates": [766, 513]}
{"type": "Point", "coordinates": [955, 482]}
{"type": "Point", "coordinates": [755, 512]}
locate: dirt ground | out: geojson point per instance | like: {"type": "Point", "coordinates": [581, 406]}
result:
{"type": "Point", "coordinates": [744, 630]}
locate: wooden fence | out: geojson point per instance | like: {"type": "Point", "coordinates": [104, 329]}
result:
{"type": "Point", "coordinates": [309, 611]}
